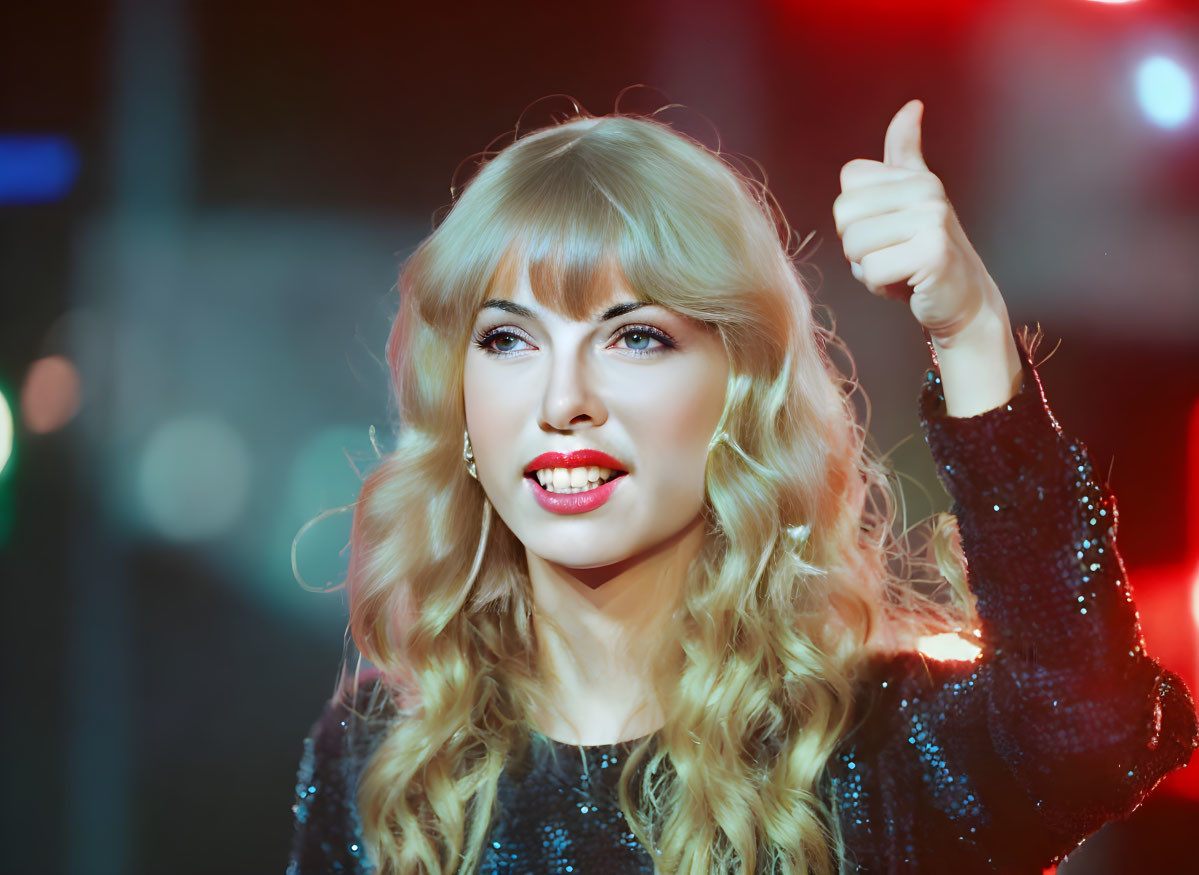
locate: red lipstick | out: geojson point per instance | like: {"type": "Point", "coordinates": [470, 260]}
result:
{"type": "Point", "coordinates": [574, 502]}
{"type": "Point", "coordinates": [576, 459]}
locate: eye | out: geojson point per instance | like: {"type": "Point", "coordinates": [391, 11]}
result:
{"type": "Point", "coordinates": [644, 339]}
{"type": "Point", "coordinates": [500, 341]}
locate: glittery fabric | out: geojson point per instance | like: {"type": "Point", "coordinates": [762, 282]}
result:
{"type": "Point", "coordinates": [1003, 764]}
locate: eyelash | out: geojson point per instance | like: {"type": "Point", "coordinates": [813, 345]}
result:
{"type": "Point", "coordinates": [483, 339]}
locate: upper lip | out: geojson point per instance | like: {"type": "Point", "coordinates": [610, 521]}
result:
{"type": "Point", "coordinates": [575, 459]}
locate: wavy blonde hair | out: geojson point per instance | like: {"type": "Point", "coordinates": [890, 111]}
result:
{"type": "Point", "coordinates": [801, 577]}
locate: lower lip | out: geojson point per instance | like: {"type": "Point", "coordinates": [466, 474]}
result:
{"type": "Point", "coordinates": [572, 502]}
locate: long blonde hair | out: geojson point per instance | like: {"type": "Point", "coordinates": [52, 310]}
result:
{"type": "Point", "coordinates": [798, 581]}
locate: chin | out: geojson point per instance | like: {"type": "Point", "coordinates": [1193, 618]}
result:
{"type": "Point", "coordinates": [581, 559]}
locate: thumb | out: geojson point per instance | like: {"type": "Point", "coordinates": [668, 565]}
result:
{"type": "Point", "coordinates": [902, 145]}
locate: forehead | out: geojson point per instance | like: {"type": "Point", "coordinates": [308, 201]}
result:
{"type": "Point", "coordinates": [578, 288]}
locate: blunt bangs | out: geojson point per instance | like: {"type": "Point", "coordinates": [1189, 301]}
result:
{"type": "Point", "coordinates": [589, 202]}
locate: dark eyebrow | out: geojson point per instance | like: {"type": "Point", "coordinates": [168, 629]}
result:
{"type": "Point", "coordinates": [621, 309]}
{"type": "Point", "coordinates": [510, 307]}
{"type": "Point", "coordinates": [520, 310]}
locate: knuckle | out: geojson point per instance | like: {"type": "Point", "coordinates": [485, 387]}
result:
{"type": "Point", "coordinates": [870, 270]}
{"type": "Point", "coordinates": [849, 242]}
{"type": "Point", "coordinates": [933, 185]}
{"type": "Point", "coordinates": [839, 214]}
{"type": "Point", "coordinates": [853, 171]}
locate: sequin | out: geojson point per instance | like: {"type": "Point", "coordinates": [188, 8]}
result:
{"type": "Point", "coordinates": [1003, 764]}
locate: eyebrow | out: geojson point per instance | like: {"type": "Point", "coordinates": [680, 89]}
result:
{"type": "Point", "coordinates": [521, 310]}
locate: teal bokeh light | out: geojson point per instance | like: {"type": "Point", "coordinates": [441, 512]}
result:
{"type": "Point", "coordinates": [325, 476]}
{"type": "Point", "coordinates": [193, 478]}
{"type": "Point", "coordinates": [1165, 91]}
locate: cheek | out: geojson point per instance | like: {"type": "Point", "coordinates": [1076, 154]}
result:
{"type": "Point", "coordinates": [485, 419]}
{"type": "Point", "coordinates": [677, 428]}
{"type": "Point", "coordinates": [496, 406]}
{"type": "Point", "coordinates": [686, 425]}
{"type": "Point", "coordinates": [699, 409]}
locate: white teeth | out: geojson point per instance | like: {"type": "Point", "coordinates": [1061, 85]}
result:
{"type": "Point", "coordinates": [567, 480]}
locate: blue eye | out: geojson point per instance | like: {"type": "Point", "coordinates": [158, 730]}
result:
{"type": "Point", "coordinates": [638, 339]}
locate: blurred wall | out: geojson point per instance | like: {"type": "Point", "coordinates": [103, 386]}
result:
{"type": "Point", "coordinates": [220, 273]}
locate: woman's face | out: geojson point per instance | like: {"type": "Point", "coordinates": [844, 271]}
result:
{"type": "Point", "coordinates": [553, 405]}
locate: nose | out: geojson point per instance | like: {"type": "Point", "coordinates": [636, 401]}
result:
{"type": "Point", "coordinates": [570, 398]}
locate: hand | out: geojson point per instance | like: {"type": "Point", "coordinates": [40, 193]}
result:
{"type": "Point", "coordinates": [903, 239]}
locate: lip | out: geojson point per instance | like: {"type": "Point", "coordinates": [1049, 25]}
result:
{"type": "Point", "coordinates": [572, 502]}
{"type": "Point", "coordinates": [576, 459]}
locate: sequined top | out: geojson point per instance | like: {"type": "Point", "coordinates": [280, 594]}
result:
{"type": "Point", "coordinates": [1001, 764]}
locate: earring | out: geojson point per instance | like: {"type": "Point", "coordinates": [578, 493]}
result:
{"type": "Point", "coordinates": [798, 535]}
{"type": "Point", "coordinates": [468, 455]}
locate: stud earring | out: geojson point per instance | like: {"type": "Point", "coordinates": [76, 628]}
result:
{"type": "Point", "coordinates": [798, 535]}
{"type": "Point", "coordinates": [468, 455]}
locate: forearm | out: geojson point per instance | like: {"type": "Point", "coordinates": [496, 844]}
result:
{"type": "Point", "coordinates": [1083, 718]}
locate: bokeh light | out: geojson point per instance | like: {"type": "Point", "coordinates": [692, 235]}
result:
{"type": "Point", "coordinates": [36, 168]}
{"type": "Point", "coordinates": [324, 476]}
{"type": "Point", "coordinates": [50, 395]}
{"type": "Point", "coordinates": [1165, 91]}
{"type": "Point", "coordinates": [6, 430]}
{"type": "Point", "coordinates": [193, 478]}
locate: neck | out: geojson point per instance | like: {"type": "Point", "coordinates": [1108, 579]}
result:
{"type": "Point", "coordinates": [599, 632]}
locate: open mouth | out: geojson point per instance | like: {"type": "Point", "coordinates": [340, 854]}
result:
{"type": "Point", "coordinates": [567, 481]}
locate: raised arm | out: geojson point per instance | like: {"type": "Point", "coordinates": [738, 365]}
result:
{"type": "Point", "coordinates": [1064, 722]}
{"type": "Point", "coordinates": [1007, 762]}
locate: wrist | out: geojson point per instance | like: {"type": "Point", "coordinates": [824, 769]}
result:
{"type": "Point", "coordinates": [984, 325]}
{"type": "Point", "coordinates": [980, 366]}
{"type": "Point", "coordinates": [988, 331]}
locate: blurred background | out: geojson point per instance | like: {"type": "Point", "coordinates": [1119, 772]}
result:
{"type": "Point", "coordinates": [203, 208]}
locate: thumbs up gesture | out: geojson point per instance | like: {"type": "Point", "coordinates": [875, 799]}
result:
{"type": "Point", "coordinates": [903, 239]}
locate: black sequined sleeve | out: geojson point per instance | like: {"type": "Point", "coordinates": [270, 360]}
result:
{"type": "Point", "coordinates": [328, 831]}
{"type": "Point", "coordinates": [1008, 762]}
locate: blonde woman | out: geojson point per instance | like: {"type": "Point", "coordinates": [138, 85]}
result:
{"type": "Point", "coordinates": [629, 580]}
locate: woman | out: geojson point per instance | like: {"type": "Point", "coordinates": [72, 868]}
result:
{"type": "Point", "coordinates": [627, 578]}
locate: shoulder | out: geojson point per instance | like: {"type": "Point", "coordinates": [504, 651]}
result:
{"type": "Point", "coordinates": [339, 744]}
{"type": "Point", "coordinates": [354, 721]}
